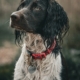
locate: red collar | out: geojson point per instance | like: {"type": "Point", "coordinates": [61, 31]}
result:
{"type": "Point", "coordinates": [45, 53]}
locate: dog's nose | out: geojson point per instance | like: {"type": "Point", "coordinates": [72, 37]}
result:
{"type": "Point", "coordinates": [15, 16]}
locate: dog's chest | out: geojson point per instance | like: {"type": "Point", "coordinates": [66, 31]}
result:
{"type": "Point", "coordinates": [47, 69]}
{"type": "Point", "coordinates": [27, 68]}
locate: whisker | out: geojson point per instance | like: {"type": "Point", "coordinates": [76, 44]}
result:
{"type": "Point", "coordinates": [3, 24]}
{"type": "Point", "coordinates": [7, 21]}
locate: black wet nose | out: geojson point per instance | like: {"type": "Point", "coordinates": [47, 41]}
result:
{"type": "Point", "coordinates": [15, 17]}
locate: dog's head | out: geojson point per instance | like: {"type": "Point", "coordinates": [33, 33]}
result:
{"type": "Point", "coordinates": [30, 15]}
{"type": "Point", "coordinates": [45, 17]}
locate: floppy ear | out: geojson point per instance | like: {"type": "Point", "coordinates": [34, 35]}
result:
{"type": "Point", "coordinates": [56, 22]}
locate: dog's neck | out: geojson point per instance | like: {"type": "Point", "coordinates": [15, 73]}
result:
{"type": "Point", "coordinates": [45, 69]}
{"type": "Point", "coordinates": [34, 43]}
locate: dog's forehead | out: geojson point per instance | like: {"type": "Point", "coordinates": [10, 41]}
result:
{"type": "Point", "coordinates": [44, 2]}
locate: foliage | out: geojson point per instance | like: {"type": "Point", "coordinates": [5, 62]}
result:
{"type": "Point", "coordinates": [6, 72]}
{"type": "Point", "coordinates": [72, 71]}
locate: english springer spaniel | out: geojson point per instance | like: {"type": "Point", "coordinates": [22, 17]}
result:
{"type": "Point", "coordinates": [39, 27]}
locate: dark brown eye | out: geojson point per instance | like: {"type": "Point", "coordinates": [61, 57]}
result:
{"type": "Point", "coordinates": [37, 8]}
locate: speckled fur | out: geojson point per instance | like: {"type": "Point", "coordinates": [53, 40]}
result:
{"type": "Point", "coordinates": [47, 69]}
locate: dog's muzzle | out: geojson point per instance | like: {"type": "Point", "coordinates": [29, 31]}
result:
{"type": "Point", "coordinates": [15, 19]}
{"type": "Point", "coordinates": [15, 16]}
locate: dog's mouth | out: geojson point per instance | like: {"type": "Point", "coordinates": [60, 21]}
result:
{"type": "Point", "coordinates": [17, 27]}
{"type": "Point", "coordinates": [20, 27]}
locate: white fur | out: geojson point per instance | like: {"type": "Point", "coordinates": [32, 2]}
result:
{"type": "Point", "coordinates": [46, 69]}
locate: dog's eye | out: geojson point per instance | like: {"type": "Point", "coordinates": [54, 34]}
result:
{"type": "Point", "coordinates": [37, 8]}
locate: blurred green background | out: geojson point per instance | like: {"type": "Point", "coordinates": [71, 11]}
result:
{"type": "Point", "coordinates": [71, 44]}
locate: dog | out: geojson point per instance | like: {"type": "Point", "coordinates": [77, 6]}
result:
{"type": "Point", "coordinates": [40, 26]}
